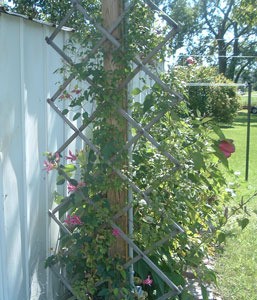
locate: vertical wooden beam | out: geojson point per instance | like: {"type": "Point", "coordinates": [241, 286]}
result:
{"type": "Point", "coordinates": [111, 10]}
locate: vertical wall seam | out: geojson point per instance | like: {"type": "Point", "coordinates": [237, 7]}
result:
{"type": "Point", "coordinates": [24, 204]}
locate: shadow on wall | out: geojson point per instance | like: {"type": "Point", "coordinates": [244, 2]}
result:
{"type": "Point", "coordinates": [28, 128]}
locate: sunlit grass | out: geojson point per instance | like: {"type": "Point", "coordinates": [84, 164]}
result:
{"type": "Point", "coordinates": [238, 132]}
{"type": "Point", "coordinates": [237, 272]}
{"type": "Point", "coordinates": [244, 98]}
{"type": "Point", "coordinates": [237, 265]}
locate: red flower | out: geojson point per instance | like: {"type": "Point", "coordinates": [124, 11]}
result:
{"type": "Point", "coordinates": [76, 91]}
{"type": "Point", "coordinates": [116, 232]}
{"type": "Point", "coordinates": [65, 95]}
{"type": "Point", "coordinates": [227, 147]}
{"type": "Point", "coordinates": [73, 188]}
{"type": "Point", "coordinates": [73, 220]}
{"type": "Point", "coordinates": [148, 281]}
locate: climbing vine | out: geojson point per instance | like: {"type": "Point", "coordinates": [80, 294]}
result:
{"type": "Point", "coordinates": [173, 164]}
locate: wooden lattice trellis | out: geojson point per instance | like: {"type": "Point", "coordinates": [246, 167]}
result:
{"type": "Point", "coordinates": [140, 65]}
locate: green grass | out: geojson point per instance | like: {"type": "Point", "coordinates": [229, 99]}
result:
{"type": "Point", "coordinates": [244, 98]}
{"type": "Point", "coordinates": [238, 132]}
{"type": "Point", "coordinates": [236, 269]}
{"type": "Point", "coordinates": [237, 265]}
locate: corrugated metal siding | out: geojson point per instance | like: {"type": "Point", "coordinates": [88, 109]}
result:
{"type": "Point", "coordinates": [28, 127]}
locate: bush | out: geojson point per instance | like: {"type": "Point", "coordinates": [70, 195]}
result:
{"type": "Point", "coordinates": [219, 102]}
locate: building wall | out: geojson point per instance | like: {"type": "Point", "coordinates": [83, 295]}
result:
{"type": "Point", "coordinates": [28, 128]}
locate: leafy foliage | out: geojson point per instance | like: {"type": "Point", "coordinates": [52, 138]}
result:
{"type": "Point", "coordinates": [226, 29]}
{"type": "Point", "coordinates": [192, 196]}
{"type": "Point", "coordinates": [54, 11]}
{"type": "Point", "coordinates": [218, 102]}
{"type": "Point", "coordinates": [221, 33]}
{"type": "Point", "coordinates": [180, 172]}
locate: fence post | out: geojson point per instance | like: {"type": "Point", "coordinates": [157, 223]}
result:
{"type": "Point", "coordinates": [248, 130]}
{"type": "Point", "coordinates": [111, 10]}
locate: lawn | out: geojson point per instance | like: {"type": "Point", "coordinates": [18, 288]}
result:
{"type": "Point", "coordinates": [238, 132]}
{"type": "Point", "coordinates": [244, 98]}
{"type": "Point", "coordinates": [237, 264]}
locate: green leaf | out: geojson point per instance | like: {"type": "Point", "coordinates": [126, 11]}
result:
{"type": "Point", "coordinates": [204, 292]}
{"type": "Point", "coordinates": [210, 276]}
{"type": "Point", "coordinates": [243, 222]}
{"type": "Point", "coordinates": [108, 151]}
{"type": "Point", "coordinates": [221, 237]}
{"type": "Point", "coordinates": [221, 157]}
{"type": "Point", "coordinates": [57, 198]}
{"type": "Point", "coordinates": [103, 292]}
{"type": "Point", "coordinates": [123, 274]}
{"type": "Point", "coordinates": [186, 296]}
{"type": "Point", "coordinates": [60, 180]}
{"type": "Point", "coordinates": [64, 208]}
{"type": "Point", "coordinates": [73, 182]}
{"type": "Point", "coordinates": [219, 132]}
{"type": "Point", "coordinates": [69, 168]}
{"type": "Point", "coordinates": [77, 115]}
{"type": "Point", "coordinates": [148, 103]}
{"type": "Point", "coordinates": [198, 160]}
{"type": "Point", "coordinates": [50, 261]}
{"type": "Point", "coordinates": [136, 92]}
{"type": "Point", "coordinates": [206, 119]}
{"type": "Point", "coordinates": [116, 292]}
{"type": "Point", "coordinates": [145, 87]}
{"type": "Point", "coordinates": [85, 116]}
{"type": "Point", "coordinates": [65, 111]}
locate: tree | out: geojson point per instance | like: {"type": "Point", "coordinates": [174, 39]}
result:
{"type": "Point", "coordinates": [218, 32]}
{"type": "Point", "coordinates": [53, 11]}
{"type": "Point", "coordinates": [218, 29]}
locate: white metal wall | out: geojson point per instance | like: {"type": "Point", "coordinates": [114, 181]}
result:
{"type": "Point", "coordinates": [28, 128]}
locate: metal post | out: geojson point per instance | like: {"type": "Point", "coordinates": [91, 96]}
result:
{"type": "Point", "coordinates": [248, 130]}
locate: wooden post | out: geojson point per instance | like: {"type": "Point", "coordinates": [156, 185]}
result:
{"type": "Point", "coordinates": [111, 10]}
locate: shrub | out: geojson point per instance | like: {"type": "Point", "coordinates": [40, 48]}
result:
{"type": "Point", "coordinates": [219, 102]}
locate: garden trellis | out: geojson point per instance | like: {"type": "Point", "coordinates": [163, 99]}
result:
{"type": "Point", "coordinates": [141, 131]}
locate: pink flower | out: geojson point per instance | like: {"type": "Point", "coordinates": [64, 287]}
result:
{"type": "Point", "coordinates": [71, 156]}
{"type": "Point", "coordinates": [49, 166]}
{"type": "Point", "coordinates": [57, 157]}
{"type": "Point", "coordinates": [148, 281]}
{"type": "Point", "coordinates": [116, 232]}
{"type": "Point", "coordinates": [52, 162]}
{"type": "Point", "coordinates": [227, 147]}
{"type": "Point", "coordinates": [73, 188]}
{"type": "Point", "coordinates": [73, 220]}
